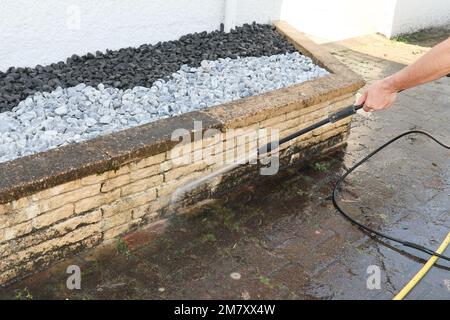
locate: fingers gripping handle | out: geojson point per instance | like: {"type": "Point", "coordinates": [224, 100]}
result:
{"type": "Point", "coordinates": [347, 112]}
{"type": "Point", "coordinates": [360, 106]}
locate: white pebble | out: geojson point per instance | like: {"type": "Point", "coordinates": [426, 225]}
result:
{"type": "Point", "coordinates": [235, 276]}
{"type": "Point", "coordinates": [61, 110]}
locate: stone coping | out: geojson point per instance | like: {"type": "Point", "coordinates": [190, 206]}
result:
{"type": "Point", "coordinates": [30, 174]}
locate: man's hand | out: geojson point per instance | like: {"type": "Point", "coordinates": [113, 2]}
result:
{"type": "Point", "coordinates": [378, 96]}
{"type": "Point", "coordinates": [433, 65]}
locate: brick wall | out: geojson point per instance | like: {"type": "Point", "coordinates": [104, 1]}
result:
{"type": "Point", "coordinates": [45, 226]}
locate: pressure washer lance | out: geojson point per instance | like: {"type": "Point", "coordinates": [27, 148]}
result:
{"type": "Point", "coordinates": [341, 114]}
{"type": "Point", "coordinates": [335, 117]}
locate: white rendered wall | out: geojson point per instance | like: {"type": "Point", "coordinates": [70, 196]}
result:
{"type": "Point", "coordinates": [45, 31]}
{"type": "Point", "coordinates": [332, 20]}
{"type": "Point", "coordinates": [412, 15]}
{"type": "Point", "coordinates": [340, 19]}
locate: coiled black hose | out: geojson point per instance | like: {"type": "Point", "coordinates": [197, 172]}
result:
{"type": "Point", "coordinates": [339, 115]}
{"type": "Point", "coordinates": [366, 228]}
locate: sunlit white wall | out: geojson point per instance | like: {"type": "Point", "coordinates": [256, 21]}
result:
{"type": "Point", "coordinates": [411, 15]}
{"type": "Point", "coordinates": [333, 20]}
{"type": "Point", "coordinates": [341, 19]}
{"type": "Point", "coordinates": [45, 31]}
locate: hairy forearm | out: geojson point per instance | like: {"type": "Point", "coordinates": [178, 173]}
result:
{"type": "Point", "coordinates": [433, 65]}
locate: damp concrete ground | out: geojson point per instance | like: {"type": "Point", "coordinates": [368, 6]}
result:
{"type": "Point", "coordinates": [281, 238]}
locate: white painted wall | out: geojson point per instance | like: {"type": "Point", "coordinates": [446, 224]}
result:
{"type": "Point", "coordinates": [412, 15]}
{"type": "Point", "coordinates": [331, 20]}
{"type": "Point", "coordinates": [341, 19]}
{"type": "Point", "coordinates": [46, 31]}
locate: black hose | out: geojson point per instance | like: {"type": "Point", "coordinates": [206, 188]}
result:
{"type": "Point", "coordinates": [339, 115]}
{"type": "Point", "coordinates": [370, 230]}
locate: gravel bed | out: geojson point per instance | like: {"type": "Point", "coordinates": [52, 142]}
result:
{"type": "Point", "coordinates": [131, 67]}
{"type": "Point", "coordinates": [66, 115]}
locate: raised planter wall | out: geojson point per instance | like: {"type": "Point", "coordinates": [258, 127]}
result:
{"type": "Point", "coordinates": [59, 202]}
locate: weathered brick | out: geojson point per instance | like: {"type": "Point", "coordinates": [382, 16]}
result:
{"type": "Point", "coordinates": [73, 223]}
{"type": "Point", "coordinates": [184, 170]}
{"type": "Point", "coordinates": [14, 271]}
{"type": "Point", "coordinates": [150, 216]}
{"type": "Point", "coordinates": [143, 197]}
{"type": "Point", "coordinates": [209, 138]}
{"type": "Point", "coordinates": [96, 201]}
{"type": "Point", "coordinates": [325, 107]}
{"type": "Point", "coordinates": [142, 185]}
{"type": "Point", "coordinates": [115, 183]}
{"type": "Point", "coordinates": [329, 134]}
{"type": "Point", "coordinates": [116, 231]}
{"type": "Point", "coordinates": [129, 202]}
{"type": "Point", "coordinates": [163, 167]}
{"type": "Point", "coordinates": [140, 211]}
{"type": "Point", "coordinates": [33, 210]}
{"type": "Point", "coordinates": [171, 186]}
{"type": "Point", "coordinates": [28, 213]}
{"type": "Point", "coordinates": [43, 260]}
{"type": "Point", "coordinates": [21, 203]}
{"type": "Point", "coordinates": [13, 218]}
{"type": "Point", "coordinates": [156, 159]}
{"type": "Point", "coordinates": [159, 203]}
{"type": "Point", "coordinates": [233, 149]}
{"type": "Point", "coordinates": [116, 207]}
{"type": "Point", "coordinates": [57, 190]}
{"type": "Point", "coordinates": [116, 220]}
{"type": "Point", "coordinates": [284, 133]}
{"type": "Point", "coordinates": [144, 173]}
{"type": "Point", "coordinates": [51, 217]}
{"type": "Point", "coordinates": [53, 244]}
{"type": "Point", "coordinates": [47, 233]}
{"type": "Point", "coordinates": [69, 197]}
{"type": "Point", "coordinates": [271, 122]}
{"type": "Point", "coordinates": [5, 208]}
{"type": "Point", "coordinates": [95, 179]}
{"type": "Point", "coordinates": [297, 113]}
{"type": "Point", "coordinates": [343, 122]}
{"type": "Point", "coordinates": [121, 170]}
{"type": "Point", "coordinates": [17, 231]}
{"type": "Point", "coordinates": [305, 143]}
{"type": "Point", "coordinates": [189, 153]}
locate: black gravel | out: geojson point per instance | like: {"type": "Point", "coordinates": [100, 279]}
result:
{"type": "Point", "coordinates": [130, 67]}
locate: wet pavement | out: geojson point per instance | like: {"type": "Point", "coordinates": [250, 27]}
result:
{"type": "Point", "coordinates": [281, 238]}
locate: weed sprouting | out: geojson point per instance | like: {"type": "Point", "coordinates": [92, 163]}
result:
{"type": "Point", "coordinates": [122, 248]}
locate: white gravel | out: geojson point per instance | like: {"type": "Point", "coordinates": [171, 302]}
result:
{"type": "Point", "coordinates": [49, 120]}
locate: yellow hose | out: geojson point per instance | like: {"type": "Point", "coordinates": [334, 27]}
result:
{"type": "Point", "coordinates": [411, 284]}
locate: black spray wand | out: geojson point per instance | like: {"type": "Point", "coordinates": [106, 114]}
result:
{"type": "Point", "coordinates": [335, 117]}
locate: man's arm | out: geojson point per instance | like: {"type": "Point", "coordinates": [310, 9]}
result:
{"type": "Point", "coordinates": [433, 65]}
